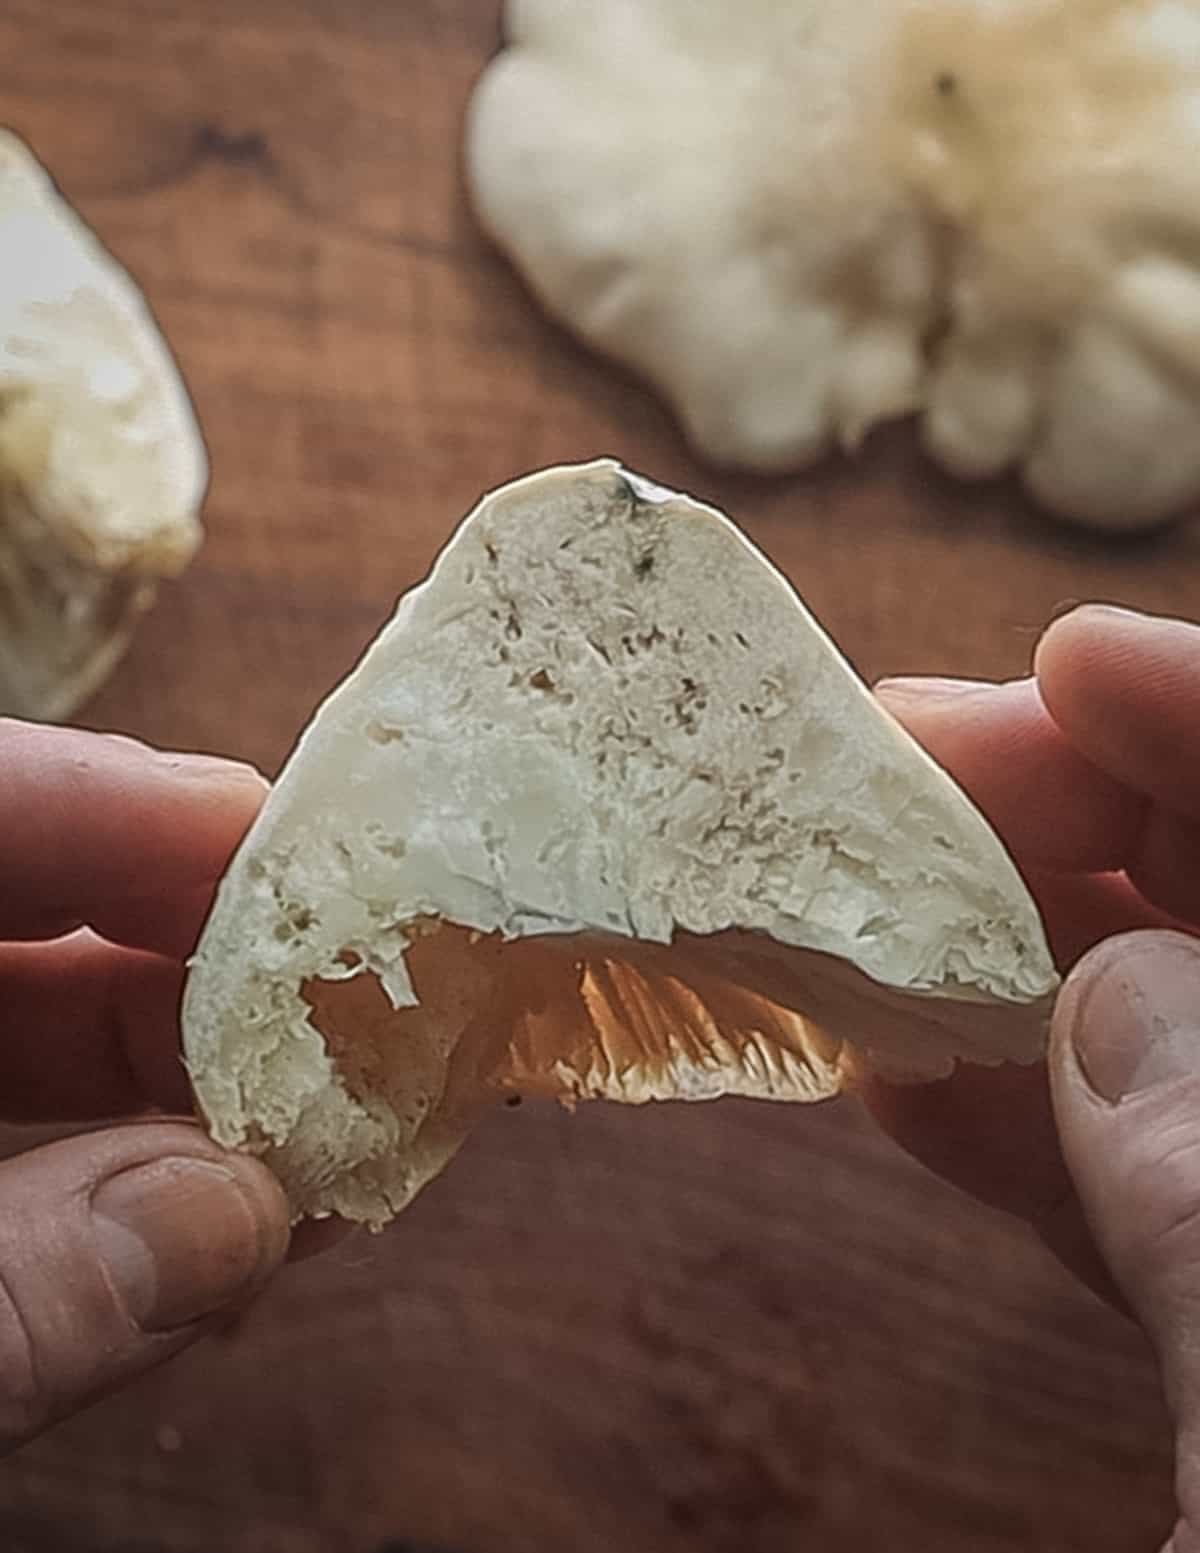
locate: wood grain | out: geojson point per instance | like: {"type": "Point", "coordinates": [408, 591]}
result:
{"type": "Point", "coordinates": [720, 1328]}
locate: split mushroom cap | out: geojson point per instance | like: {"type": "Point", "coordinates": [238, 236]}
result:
{"type": "Point", "coordinates": [602, 814]}
{"type": "Point", "coordinates": [801, 220]}
{"type": "Point", "coordinates": [102, 465]}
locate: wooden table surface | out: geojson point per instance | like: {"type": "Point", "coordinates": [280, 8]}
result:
{"type": "Point", "coordinates": [735, 1327]}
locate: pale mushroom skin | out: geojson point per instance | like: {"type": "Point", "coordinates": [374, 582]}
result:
{"type": "Point", "coordinates": [103, 469]}
{"type": "Point", "coordinates": [801, 220]}
{"type": "Point", "coordinates": [602, 813]}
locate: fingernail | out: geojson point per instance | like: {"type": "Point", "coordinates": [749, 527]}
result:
{"type": "Point", "coordinates": [184, 1238]}
{"type": "Point", "coordinates": [1120, 611]}
{"type": "Point", "coordinates": [1135, 1020]}
{"type": "Point", "coordinates": [214, 770]}
{"type": "Point", "coordinates": [930, 687]}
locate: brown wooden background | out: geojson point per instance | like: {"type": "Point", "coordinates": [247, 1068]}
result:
{"type": "Point", "coordinates": [717, 1328]}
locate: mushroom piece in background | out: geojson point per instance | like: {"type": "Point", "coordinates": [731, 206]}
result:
{"type": "Point", "coordinates": [102, 465]}
{"type": "Point", "coordinates": [602, 814]}
{"type": "Point", "coordinates": [801, 220]}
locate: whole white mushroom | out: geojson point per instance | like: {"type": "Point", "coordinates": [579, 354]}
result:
{"type": "Point", "coordinates": [799, 220]}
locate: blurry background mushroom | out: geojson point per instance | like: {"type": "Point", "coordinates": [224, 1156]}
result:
{"type": "Point", "coordinates": [801, 220]}
{"type": "Point", "coordinates": [102, 466]}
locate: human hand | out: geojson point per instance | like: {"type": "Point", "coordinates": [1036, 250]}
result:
{"type": "Point", "coordinates": [118, 1246]}
{"type": "Point", "coordinates": [1091, 772]}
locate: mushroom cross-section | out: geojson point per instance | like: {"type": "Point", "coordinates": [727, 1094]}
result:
{"type": "Point", "coordinates": [602, 814]}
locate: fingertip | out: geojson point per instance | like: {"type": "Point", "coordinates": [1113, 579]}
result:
{"type": "Point", "coordinates": [185, 1238]}
{"type": "Point", "coordinates": [1068, 642]}
{"type": "Point", "coordinates": [146, 1143]}
{"type": "Point", "coordinates": [1124, 689]}
{"type": "Point", "coordinates": [118, 1248]}
{"type": "Point", "coordinates": [917, 690]}
{"type": "Point", "coordinates": [216, 772]}
{"type": "Point", "coordinates": [268, 1209]}
{"type": "Point", "coordinates": [1126, 1071]}
{"type": "Point", "coordinates": [1098, 647]}
{"type": "Point", "coordinates": [953, 717]}
{"type": "Point", "coordinates": [1072, 998]}
{"type": "Point", "coordinates": [225, 797]}
{"type": "Point", "coordinates": [1097, 961]}
{"type": "Point", "coordinates": [1084, 972]}
{"type": "Point", "coordinates": [1118, 1005]}
{"type": "Point", "coordinates": [102, 830]}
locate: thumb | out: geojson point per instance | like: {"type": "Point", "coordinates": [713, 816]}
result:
{"type": "Point", "coordinates": [114, 1247]}
{"type": "Point", "coordinates": [1125, 1067]}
